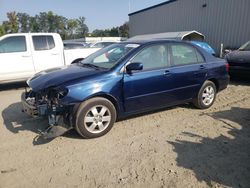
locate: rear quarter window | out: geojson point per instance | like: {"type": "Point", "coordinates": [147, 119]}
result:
{"type": "Point", "coordinates": [185, 54]}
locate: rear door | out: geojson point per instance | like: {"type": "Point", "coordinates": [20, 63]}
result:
{"type": "Point", "coordinates": [150, 87]}
{"type": "Point", "coordinates": [47, 53]}
{"type": "Point", "coordinates": [15, 58]}
{"type": "Point", "coordinates": [188, 70]}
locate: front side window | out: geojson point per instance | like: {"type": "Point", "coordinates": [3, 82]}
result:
{"type": "Point", "coordinates": [13, 44]}
{"type": "Point", "coordinates": [184, 54]}
{"type": "Point", "coordinates": [153, 57]}
{"type": "Point", "coordinates": [43, 42]}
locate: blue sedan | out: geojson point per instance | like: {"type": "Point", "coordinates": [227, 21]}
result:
{"type": "Point", "coordinates": [124, 79]}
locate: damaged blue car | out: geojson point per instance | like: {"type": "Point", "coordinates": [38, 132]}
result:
{"type": "Point", "coordinates": [124, 79]}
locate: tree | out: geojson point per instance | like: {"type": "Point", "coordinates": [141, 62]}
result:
{"type": "Point", "coordinates": [82, 29]}
{"type": "Point", "coordinates": [12, 24]}
{"type": "Point", "coordinates": [34, 24]}
{"type": "Point", "coordinates": [24, 22]}
{"type": "Point", "coordinates": [124, 30]}
{"type": "Point", "coordinates": [2, 30]}
{"type": "Point", "coordinates": [114, 32]}
{"type": "Point", "coordinates": [44, 22]}
{"type": "Point", "coordinates": [72, 25]}
{"type": "Point", "coordinates": [121, 31]}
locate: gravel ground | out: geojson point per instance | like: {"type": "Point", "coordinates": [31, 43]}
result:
{"type": "Point", "coordinates": [175, 147]}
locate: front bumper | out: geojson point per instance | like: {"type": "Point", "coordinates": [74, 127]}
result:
{"type": "Point", "coordinates": [56, 117]}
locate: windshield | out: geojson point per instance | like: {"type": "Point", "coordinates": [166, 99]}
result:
{"type": "Point", "coordinates": [245, 47]}
{"type": "Point", "coordinates": [108, 57]}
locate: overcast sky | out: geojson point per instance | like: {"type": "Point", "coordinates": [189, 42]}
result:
{"type": "Point", "coordinates": [99, 14]}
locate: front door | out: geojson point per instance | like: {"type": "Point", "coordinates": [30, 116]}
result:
{"type": "Point", "coordinates": [15, 58]}
{"type": "Point", "coordinates": [150, 87]}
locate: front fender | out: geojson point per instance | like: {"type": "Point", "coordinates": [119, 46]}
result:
{"type": "Point", "coordinates": [80, 92]}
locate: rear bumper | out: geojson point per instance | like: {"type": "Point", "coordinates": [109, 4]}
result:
{"type": "Point", "coordinates": [223, 83]}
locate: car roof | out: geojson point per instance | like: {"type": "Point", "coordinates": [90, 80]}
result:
{"type": "Point", "coordinates": [73, 42]}
{"type": "Point", "coordinates": [146, 41]}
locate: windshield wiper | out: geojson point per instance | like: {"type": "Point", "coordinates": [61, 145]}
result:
{"type": "Point", "coordinates": [91, 65]}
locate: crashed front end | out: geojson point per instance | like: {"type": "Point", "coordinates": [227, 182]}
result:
{"type": "Point", "coordinates": [46, 103]}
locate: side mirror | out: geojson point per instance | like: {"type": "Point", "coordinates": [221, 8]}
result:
{"type": "Point", "coordinates": [134, 67]}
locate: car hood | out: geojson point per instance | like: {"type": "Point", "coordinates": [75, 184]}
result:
{"type": "Point", "coordinates": [57, 76]}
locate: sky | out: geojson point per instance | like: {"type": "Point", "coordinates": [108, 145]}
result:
{"type": "Point", "coordinates": [99, 14]}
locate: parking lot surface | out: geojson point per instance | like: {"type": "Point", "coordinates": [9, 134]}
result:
{"type": "Point", "coordinates": [174, 147]}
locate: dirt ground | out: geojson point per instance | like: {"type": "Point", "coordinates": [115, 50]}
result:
{"type": "Point", "coordinates": [175, 147]}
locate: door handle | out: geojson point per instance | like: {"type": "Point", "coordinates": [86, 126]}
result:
{"type": "Point", "coordinates": [25, 55]}
{"type": "Point", "coordinates": [167, 73]}
{"type": "Point", "coordinates": [202, 67]}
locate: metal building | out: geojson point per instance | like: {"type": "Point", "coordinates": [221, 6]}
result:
{"type": "Point", "coordinates": [224, 22]}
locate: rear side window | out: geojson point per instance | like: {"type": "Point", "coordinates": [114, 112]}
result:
{"type": "Point", "coordinates": [13, 44]}
{"type": "Point", "coordinates": [44, 42]}
{"type": "Point", "coordinates": [184, 54]}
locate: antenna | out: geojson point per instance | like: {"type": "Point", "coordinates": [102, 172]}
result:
{"type": "Point", "coordinates": [129, 6]}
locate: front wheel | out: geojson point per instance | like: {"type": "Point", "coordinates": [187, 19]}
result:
{"type": "Point", "coordinates": [95, 117]}
{"type": "Point", "coordinates": [206, 95]}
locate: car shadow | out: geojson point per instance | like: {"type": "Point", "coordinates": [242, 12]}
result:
{"type": "Point", "coordinates": [150, 112]}
{"type": "Point", "coordinates": [240, 81]}
{"type": "Point", "coordinates": [224, 159]}
{"type": "Point", "coordinates": [16, 121]}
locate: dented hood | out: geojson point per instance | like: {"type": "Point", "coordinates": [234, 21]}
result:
{"type": "Point", "coordinates": [57, 76]}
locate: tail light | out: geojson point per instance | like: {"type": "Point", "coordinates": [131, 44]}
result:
{"type": "Point", "coordinates": [227, 67]}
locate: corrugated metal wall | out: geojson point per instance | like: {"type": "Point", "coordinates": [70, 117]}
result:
{"type": "Point", "coordinates": [221, 21]}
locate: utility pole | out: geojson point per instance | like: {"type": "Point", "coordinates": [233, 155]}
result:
{"type": "Point", "coordinates": [129, 6]}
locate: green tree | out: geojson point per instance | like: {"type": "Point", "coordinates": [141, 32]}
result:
{"type": "Point", "coordinates": [121, 31]}
{"type": "Point", "coordinates": [2, 30]}
{"type": "Point", "coordinates": [34, 24]}
{"type": "Point", "coordinates": [124, 30]}
{"type": "Point", "coordinates": [98, 33]}
{"type": "Point", "coordinates": [72, 25]}
{"type": "Point", "coordinates": [12, 24]}
{"type": "Point", "coordinates": [44, 22]}
{"type": "Point", "coordinates": [82, 29]}
{"type": "Point", "coordinates": [24, 22]}
{"type": "Point", "coordinates": [114, 32]}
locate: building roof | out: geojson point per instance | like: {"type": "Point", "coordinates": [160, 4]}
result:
{"type": "Point", "coordinates": [180, 35]}
{"type": "Point", "coordinates": [158, 5]}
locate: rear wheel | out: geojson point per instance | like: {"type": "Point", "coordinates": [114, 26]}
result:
{"type": "Point", "coordinates": [95, 117]}
{"type": "Point", "coordinates": [206, 95]}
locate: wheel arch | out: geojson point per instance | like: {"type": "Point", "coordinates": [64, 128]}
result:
{"type": "Point", "coordinates": [109, 97]}
{"type": "Point", "coordinates": [216, 83]}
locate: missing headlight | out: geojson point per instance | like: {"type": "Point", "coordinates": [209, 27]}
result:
{"type": "Point", "coordinates": [62, 93]}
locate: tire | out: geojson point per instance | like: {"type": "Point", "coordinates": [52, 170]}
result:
{"type": "Point", "coordinates": [95, 117]}
{"type": "Point", "coordinates": [206, 95]}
